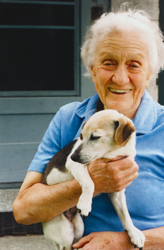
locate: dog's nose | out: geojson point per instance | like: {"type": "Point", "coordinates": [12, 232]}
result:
{"type": "Point", "coordinates": [75, 157]}
{"type": "Point", "coordinates": [76, 154]}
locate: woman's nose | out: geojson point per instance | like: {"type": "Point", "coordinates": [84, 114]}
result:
{"type": "Point", "coordinates": [120, 75]}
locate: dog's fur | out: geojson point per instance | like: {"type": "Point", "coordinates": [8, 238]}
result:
{"type": "Point", "coordinates": [106, 134]}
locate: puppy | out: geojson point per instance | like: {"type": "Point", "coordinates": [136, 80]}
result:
{"type": "Point", "coordinates": [106, 134]}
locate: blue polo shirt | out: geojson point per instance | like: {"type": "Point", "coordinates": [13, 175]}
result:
{"type": "Point", "coordinates": [145, 196]}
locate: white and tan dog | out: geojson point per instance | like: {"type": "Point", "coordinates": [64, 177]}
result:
{"type": "Point", "coordinates": [106, 134]}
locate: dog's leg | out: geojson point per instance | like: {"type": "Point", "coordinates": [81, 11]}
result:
{"type": "Point", "coordinates": [78, 227]}
{"type": "Point", "coordinates": [119, 202]}
{"type": "Point", "coordinates": [60, 232]}
{"type": "Point", "coordinates": [80, 173]}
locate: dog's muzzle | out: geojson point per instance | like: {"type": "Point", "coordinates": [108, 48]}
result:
{"type": "Point", "coordinates": [76, 156]}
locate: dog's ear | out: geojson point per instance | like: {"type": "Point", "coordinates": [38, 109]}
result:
{"type": "Point", "coordinates": [81, 136]}
{"type": "Point", "coordinates": [123, 130]}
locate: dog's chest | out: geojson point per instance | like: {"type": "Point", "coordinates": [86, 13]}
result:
{"type": "Point", "coordinates": [55, 171]}
{"type": "Point", "coordinates": [56, 176]}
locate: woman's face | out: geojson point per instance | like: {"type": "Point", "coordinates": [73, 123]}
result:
{"type": "Point", "coordinates": [121, 72]}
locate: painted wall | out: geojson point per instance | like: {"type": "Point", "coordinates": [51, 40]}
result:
{"type": "Point", "coordinates": [152, 7]}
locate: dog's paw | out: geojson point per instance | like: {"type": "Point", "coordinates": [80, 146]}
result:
{"type": "Point", "coordinates": [84, 208]}
{"type": "Point", "coordinates": [137, 238]}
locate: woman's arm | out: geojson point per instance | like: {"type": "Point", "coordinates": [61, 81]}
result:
{"type": "Point", "coordinates": [121, 241]}
{"type": "Point", "coordinates": [37, 202]}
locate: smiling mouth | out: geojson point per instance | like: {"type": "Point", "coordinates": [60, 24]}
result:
{"type": "Point", "coordinates": [119, 91]}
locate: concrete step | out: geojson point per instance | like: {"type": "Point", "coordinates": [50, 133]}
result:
{"type": "Point", "coordinates": [25, 243]}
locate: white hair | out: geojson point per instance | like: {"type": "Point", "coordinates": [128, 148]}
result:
{"type": "Point", "coordinates": [129, 21]}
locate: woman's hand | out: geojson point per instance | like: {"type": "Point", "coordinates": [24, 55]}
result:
{"type": "Point", "coordinates": [105, 241]}
{"type": "Point", "coordinates": [112, 176]}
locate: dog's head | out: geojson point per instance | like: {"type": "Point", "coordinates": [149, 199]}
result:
{"type": "Point", "coordinates": [105, 132]}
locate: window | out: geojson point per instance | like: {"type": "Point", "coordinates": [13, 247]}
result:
{"type": "Point", "coordinates": [161, 74]}
{"type": "Point", "coordinates": [38, 55]}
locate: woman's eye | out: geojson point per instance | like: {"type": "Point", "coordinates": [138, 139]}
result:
{"type": "Point", "coordinates": [108, 62]}
{"type": "Point", "coordinates": [134, 65]}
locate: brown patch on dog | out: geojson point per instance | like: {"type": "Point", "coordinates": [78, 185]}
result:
{"type": "Point", "coordinates": [81, 136]}
{"type": "Point", "coordinates": [123, 132]}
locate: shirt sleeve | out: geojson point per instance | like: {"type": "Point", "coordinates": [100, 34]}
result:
{"type": "Point", "coordinates": [61, 131]}
{"type": "Point", "coordinates": [50, 145]}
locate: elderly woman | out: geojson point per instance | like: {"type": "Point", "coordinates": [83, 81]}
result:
{"type": "Point", "coordinates": [122, 52]}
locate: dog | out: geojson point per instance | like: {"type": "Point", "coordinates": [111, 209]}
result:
{"type": "Point", "coordinates": [106, 134]}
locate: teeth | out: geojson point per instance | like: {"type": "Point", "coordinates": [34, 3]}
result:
{"type": "Point", "coordinates": [119, 90]}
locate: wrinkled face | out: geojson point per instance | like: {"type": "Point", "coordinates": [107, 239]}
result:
{"type": "Point", "coordinates": [103, 133]}
{"type": "Point", "coordinates": [121, 72]}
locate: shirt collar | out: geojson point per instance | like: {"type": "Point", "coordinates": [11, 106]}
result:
{"type": "Point", "coordinates": [88, 107]}
{"type": "Point", "coordinates": [146, 115]}
{"type": "Point", "coordinates": [144, 119]}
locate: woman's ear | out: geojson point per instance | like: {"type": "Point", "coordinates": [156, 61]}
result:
{"type": "Point", "coordinates": [92, 69]}
{"type": "Point", "coordinates": [149, 76]}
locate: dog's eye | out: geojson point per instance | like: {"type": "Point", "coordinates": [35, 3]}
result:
{"type": "Point", "coordinates": [81, 136]}
{"type": "Point", "coordinates": [116, 124]}
{"type": "Point", "coordinates": [93, 138]}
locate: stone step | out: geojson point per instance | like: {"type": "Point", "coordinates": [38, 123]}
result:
{"type": "Point", "coordinates": [25, 243]}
